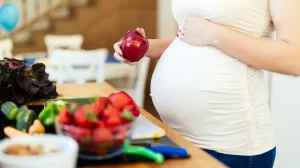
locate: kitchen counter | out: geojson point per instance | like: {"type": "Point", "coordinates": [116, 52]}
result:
{"type": "Point", "coordinates": [199, 159]}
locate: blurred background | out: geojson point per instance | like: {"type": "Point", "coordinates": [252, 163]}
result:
{"type": "Point", "coordinates": [75, 33]}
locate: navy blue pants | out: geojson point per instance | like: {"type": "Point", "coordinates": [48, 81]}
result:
{"type": "Point", "coordinates": [265, 160]}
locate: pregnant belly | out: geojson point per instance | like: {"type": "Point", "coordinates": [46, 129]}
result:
{"type": "Point", "coordinates": [204, 94]}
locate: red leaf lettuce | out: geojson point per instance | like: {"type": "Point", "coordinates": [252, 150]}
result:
{"type": "Point", "coordinates": [22, 83]}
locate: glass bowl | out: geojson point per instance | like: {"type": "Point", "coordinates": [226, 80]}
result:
{"type": "Point", "coordinates": [97, 143]}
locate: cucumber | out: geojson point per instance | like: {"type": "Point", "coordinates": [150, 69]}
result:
{"type": "Point", "coordinates": [20, 111]}
{"type": "Point", "coordinates": [25, 120]}
{"type": "Point", "coordinates": [9, 110]}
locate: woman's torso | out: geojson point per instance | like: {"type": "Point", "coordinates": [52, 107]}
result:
{"type": "Point", "coordinates": [212, 99]}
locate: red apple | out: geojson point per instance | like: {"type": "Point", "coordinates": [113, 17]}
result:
{"type": "Point", "coordinates": [134, 46]}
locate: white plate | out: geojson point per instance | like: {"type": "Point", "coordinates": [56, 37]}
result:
{"type": "Point", "coordinates": [66, 157]}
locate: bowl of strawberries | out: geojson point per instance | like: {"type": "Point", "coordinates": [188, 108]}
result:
{"type": "Point", "coordinates": [100, 125]}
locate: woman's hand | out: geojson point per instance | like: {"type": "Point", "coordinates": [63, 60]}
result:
{"type": "Point", "coordinates": [198, 31]}
{"type": "Point", "coordinates": [118, 55]}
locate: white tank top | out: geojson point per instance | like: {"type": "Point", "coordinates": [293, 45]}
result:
{"type": "Point", "coordinates": [210, 98]}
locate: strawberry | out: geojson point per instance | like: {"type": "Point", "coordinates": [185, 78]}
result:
{"type": "Point", "coordinates": [127, 115]}
{"type": "Point", "coordinates": [133, 109]}
{"type": "Point", "coordinates": [72, 107]}
{"type": "Point", "coordinates": [102, 100]}
{"type": "Point", "coordinates": [110, 111]}
{"type": "Point", "coordinates": [64, 117]}
{"type": "Point", "coordinates": [119, 100]}
{"type": "Point", "coordinates": [82, 135]}
{"type": "Point", "coordinates": [113, 121]}
{"type": "Point", "coordinates": [122, 135]}
{"type": "Point", "coordinates": [84, 117]}
{"type": "Point", "coordinates": [100, 124]}
{"type": "Point", "coordinates": [99, 105]}
{"type": "Point", "coordinates": [102, 136]}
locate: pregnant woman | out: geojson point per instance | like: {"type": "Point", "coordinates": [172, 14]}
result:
{"type": "Point", "coordinates": [208, 84]}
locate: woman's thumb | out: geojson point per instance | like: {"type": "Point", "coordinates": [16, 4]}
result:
{"type": "Point", "coordinates": [141, 31]}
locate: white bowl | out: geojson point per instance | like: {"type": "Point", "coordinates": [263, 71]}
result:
{"type": "Point", "coordinates": [65, 157]}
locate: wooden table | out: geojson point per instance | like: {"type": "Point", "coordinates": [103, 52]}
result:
{"type": "Point", "coordinates": [199, 159]}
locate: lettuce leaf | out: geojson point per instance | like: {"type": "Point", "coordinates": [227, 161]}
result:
{"type": "Point", "coordinates": [21, 83]}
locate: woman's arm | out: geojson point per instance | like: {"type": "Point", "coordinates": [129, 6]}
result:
{"type": "Point", "coordinates": [158, 47]}
{"type": "Point", "coordinates": [281, 55]}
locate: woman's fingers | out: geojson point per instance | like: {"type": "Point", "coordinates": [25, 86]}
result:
{"type": "Point", "coordinates": [131, 63]}
{"type": "Point", "coordinates": [141, 31]}
{"type": "Point", "coordinates": [121, 59]}
{"type": "Point", "coordinates": [118, 57]}
{"type": "Point", "coordinates": [117, 48]}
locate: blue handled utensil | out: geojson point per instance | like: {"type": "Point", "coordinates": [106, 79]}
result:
{"type": "Point", "coordinates": [171, 152]}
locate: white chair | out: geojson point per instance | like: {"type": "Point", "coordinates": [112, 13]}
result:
{"type": "Point", "coordinates": [6, 47]}
{"type": "Point", "coordinates": [118, 71]}
{"type": "Point", "coordinates": [70, 42]}
{"type": "Point", "coordinates": [77, 66]}
{"type": "Point", "coordinates": [137, 91]}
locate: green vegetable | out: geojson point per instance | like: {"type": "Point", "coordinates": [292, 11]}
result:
{"type": "Point", "coordinates": [50, 112]}
{"type": "Point", "coordinates": [47, 115]}
{"type": "Point", "coordinates": [20, 111]}
{"type": "Point", "coordinates": [9, 110]}
{"type": "Point", "coordinates": [25, 120]}
{"type": "Point", "coordinates": [60, 104]}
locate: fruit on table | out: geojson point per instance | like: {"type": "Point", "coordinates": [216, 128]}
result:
{"type": "Point", "coordinates": [102, 126]}
{"type": "Point", "coordinates": [123, 101]}
{"type": "Point", "coordinates": [113, 121]}
{"type": "Point", "coordinates": [64, 116]}
{"type": "Point", "coordinates": [119, 100]}
{"type": "Point", "coordinates": [9, 110]}
{"type": "Point", "coordinates": [72, 107]}
{"type": "Point", "coordinates": [133, 109]}
{"type": "Point", "coordinates": [102, 140]}
{"type": "Point", "coordinates": [110, 111]}
{"type": "Point", "coordinates": [127, 115]}
{"type": "Point", "coordinates": [134, 46]}
{"type": "Point", "coordinates": [102, 136]}
{"type": "Point", "coordinates": [85, 117]}
{"type": "Point", "coordinates": [82, 135]}
{"type": "Point", "coordinates": [99, 106]}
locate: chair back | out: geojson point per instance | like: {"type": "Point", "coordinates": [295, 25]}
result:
{"type": "Point", "coordinates": [69, 42]}
{"type": "Point", "coordinates": [79, 66]}
{"type": "Point", "coordinates": [141, 79]}
{"type": "Point", "coordinates": [6, 47]}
